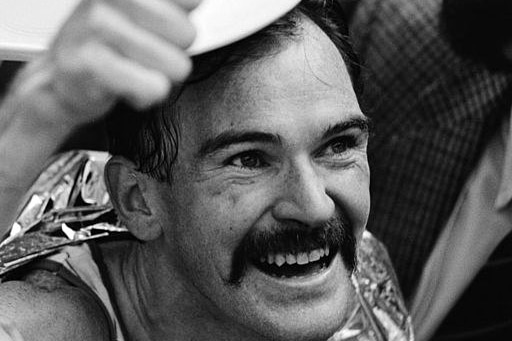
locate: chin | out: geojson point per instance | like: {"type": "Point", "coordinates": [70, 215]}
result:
{"type": "Point", "coordinates": [314, 323]}
{"type": "Point", "coordinates": [310, 307]}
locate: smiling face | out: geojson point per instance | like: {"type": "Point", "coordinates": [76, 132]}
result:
{"type": "Point", "coordinates": [270, 186]}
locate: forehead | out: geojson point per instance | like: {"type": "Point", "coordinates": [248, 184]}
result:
{"type": "Point", "coordinates": [307, 80]}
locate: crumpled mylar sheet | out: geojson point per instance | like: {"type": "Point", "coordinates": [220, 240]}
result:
{"type": "Point", "coordinates": [380, 314]}
{"type": "Point", "coordinates": [67, 204]}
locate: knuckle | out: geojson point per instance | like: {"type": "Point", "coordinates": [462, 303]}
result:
{"type": "Point", "coordinates": [98, 16]}
{"type": "Point", "coordinates": [182, 67]}
{"type": "Point", "coordinates": [178, 29]}
{"type": "Point", "coordinates": [77, 64]}
{"type": "Point", "coordinates": [155, 91]}
{"type": "Point", "coordinates": [68, 65]}
{"type": "Point", "coordinates": [188, 35]}
{"type": "Point", "coordinates": [187, 67]}
{"type": "Point", "coordinates": [94, 23]}
{"type": "Point", "coordinates": [160, 86]}
{"type": "Point", "coordinates": [95, 14]}
{"type": "Point", "coordinates": [76, 73]}
{"type": "Point", "coordinates": [165, 88]}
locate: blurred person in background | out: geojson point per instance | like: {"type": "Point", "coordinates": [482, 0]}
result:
{"type": "Point", "coordinates": [439, 91]}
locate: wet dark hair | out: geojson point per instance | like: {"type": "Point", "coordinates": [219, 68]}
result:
{"type": "Point", "coordinates": [479, 30]}
{"type": "Point", "coordinates": [150, 139]}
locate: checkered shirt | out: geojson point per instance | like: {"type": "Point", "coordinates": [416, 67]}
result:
{"type": "Point", "coordinates": [432, 111]}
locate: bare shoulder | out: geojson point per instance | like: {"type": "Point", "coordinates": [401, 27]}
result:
{"type": "Point", "coordinates": [44, 307]}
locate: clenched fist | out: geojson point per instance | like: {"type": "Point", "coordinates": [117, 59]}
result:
{"type": "Point", "coordinates": [109, 50]}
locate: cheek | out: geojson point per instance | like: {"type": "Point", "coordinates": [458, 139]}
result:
{"type": "Point", "coordinates": [232, 210]}
{"type": "Point", "coordinates": [352, 193]}
{"type": "Point", "coordinates": [218, 217]}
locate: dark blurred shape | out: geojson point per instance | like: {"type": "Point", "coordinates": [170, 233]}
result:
{"type": "Point", "coordinates": [91, 137]}
{"type": "Point", "coordinates": [7, 71]}
{"type": "Point", "coordinates": [484, 310]}
{"type": "Point", "coordinates": [348, 6]}
{"type": "Point", "coordinates": [479, 29]}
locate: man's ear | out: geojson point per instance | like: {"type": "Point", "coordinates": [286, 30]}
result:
{"type": "Point", "coordinates": [127, 189]}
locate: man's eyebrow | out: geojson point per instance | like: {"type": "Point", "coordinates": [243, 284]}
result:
{"type": "Point", "coordinates": [228, 138]}
{"type": "Point", "coordinates": [363, 123]}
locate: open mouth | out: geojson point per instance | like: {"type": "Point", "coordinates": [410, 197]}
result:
{"type": "Point", "coordinates": [289, 265]}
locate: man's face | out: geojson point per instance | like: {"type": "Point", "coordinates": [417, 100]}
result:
{"type": "Point", "coordinates": [269, 188]}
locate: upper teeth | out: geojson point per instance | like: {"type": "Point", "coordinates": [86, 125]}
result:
{"type": "Point", "coordinates": [300, 258]}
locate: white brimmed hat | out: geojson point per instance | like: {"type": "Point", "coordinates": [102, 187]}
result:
{"type": "Point", "coordinates": [28, 26]}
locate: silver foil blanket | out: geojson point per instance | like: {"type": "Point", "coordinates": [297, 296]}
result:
{"type": "Point", "coordinates": [67, 204]}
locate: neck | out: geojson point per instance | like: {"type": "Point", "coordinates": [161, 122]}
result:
{"type": "Point", "coordinates": [156, 304]}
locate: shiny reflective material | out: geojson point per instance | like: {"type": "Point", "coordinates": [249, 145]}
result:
{"type": "Point", "coordinates": [68, 204]}
{"type": "Point", "coordinates": [380, 313]}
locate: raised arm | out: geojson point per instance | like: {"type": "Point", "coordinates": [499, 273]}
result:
{"type": "Point", "coordinates": [108, 50]}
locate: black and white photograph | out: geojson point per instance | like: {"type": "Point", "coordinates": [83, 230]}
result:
{"type": "Point", "coordinates": [255, 170]}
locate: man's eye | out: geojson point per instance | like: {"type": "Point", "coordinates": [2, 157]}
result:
{"type": "Point", "coordinates": [340, 145]}
{"type": "Point", "coordinates": [250, 159]}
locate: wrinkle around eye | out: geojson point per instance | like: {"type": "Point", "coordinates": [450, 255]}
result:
{"type": "Point", "coordinates": [350, 157]}
{"type": "Point", "coordinates": [229, 167]}
{"type": "Point", "coordinates": [248, 160]}
{"type": "Point", "coordinates": [338, 147]}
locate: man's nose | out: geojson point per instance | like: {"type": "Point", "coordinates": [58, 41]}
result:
{"type": "Point", "coordinates": [304, 196]}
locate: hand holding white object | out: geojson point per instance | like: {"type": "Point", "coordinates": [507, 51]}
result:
{"type": "Point", "coordinates": [110, 50]}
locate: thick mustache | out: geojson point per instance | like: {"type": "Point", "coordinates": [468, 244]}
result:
{"type": "Point", "coordinates": [294, 237]}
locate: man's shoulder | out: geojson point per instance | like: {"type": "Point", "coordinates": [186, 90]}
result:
{"type": "Point", "coordinates": [44, 307]}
